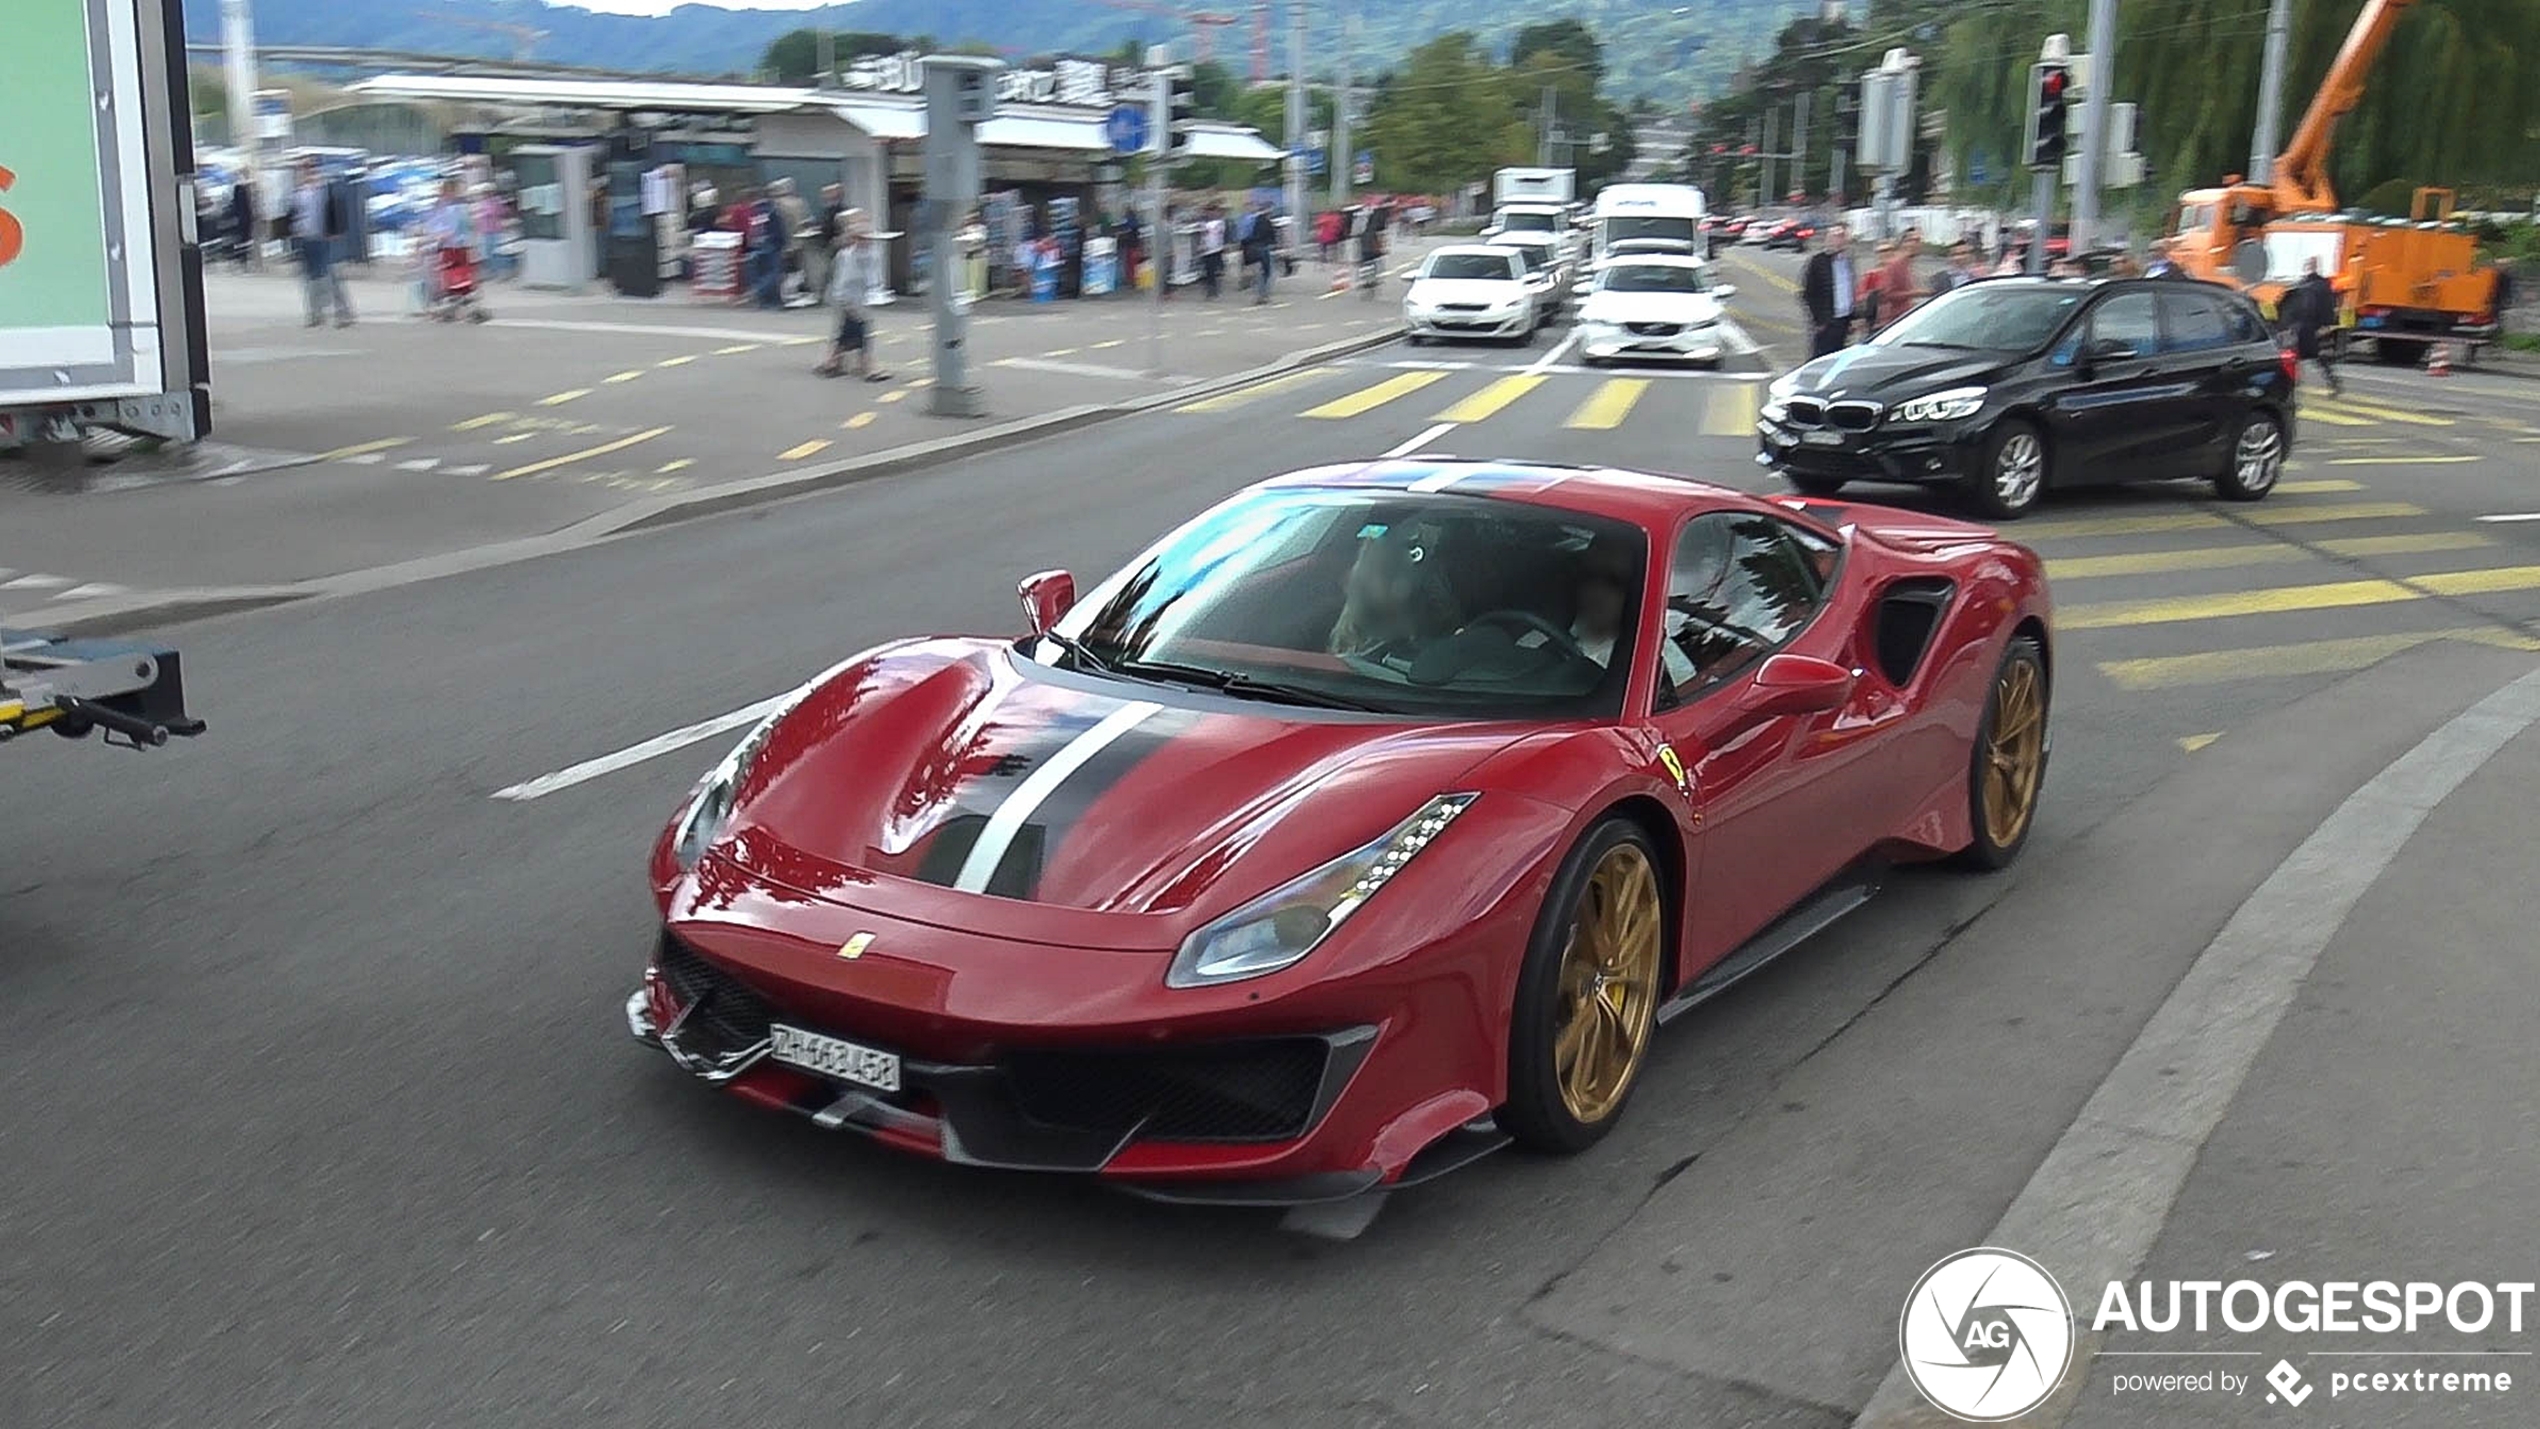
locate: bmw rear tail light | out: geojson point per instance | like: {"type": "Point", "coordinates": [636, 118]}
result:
{"type": "Point", "coordinates": [2291, 362]}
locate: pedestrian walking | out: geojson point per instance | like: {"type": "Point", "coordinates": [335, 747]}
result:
{"type": "Point", "coordinates": [1212, 251]}
{"type": "Point", "coordinates": [1258, 230]}
{"type": "Point", "coordinates": [317, 221]}
{"type": "Point", "coordinates": [1826, 291]}
{"type": "Point", "coordinates": [2306, 309]}
{"type": "Point", "coordinates": [242, 222]}
{"type": "Point", "coordinates": [1899, 290]}
{"type": "Point", "coordinates": [821, 249]}
{"type": "Point", "coordinates": [852, 280]}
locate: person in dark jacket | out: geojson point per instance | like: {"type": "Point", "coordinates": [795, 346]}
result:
{"type": "Point", "coordinates": [2306, 309]}
{"type": "Point", "coordinates": [1827, 286]}
{"type": "Point", "coordinates": [316, 221]}
{"type": "Point", "coordinates": [242, 222]}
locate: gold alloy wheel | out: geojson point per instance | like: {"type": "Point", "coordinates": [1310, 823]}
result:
{"type": "Point", "coordinates": [1609, 985]}
{"type": "Point", "coordinates": [2015, 755]}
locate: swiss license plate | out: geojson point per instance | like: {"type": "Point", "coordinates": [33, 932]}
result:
{"type": "Point", "coordinates": [834, 1057]}
{"type": "Point", "coordinates": [1822, 438]}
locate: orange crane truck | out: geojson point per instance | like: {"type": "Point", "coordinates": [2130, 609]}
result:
{"type": "Point", "coordinates": [2402, 284]}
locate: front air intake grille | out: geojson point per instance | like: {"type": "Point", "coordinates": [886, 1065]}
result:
{"type": "Point", "coordinates": [1804, 411]}
{"type": "Point", "coordinates": [1854, 416]}
{"type": "Point", "coordinates": [1232, 1091]}
{"type": "Point", "coordinates": [1654, 329]}
{"type": "Point", "coordinates": [727, 1014]}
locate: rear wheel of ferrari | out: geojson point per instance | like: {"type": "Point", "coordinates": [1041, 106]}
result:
{"type": "Point", "coordinates": [2008, 766]}
{"type": "Point", "coordinates": [1587, 999]}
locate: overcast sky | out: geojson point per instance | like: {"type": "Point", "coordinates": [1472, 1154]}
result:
{"type": "Point", "coordinates": [660, 7]}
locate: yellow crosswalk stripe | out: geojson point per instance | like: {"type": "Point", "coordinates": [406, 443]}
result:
{"type": "Point", "coordinates": [2276, 600]}
{"type": "Point", "coordinates": [2214, 558]}
{"type": "Point", "coordinates": [2401, 460]}
{"type": "Point", "coordinates": [1368, 399]}
{"type": "Point", "coordinates": [1228, 401]}
{"type": "Point", "coordinates": [2316, 488]}
{"type": "Point", "coordinates": [1729, 410]}
{"type": "Point", "coordinates": [2349, 407]}
{"type": "Point", "coordinates": [2031, 532]}
{"type": "Point", "coordinates": [1490, 400]}
{"type": "Point", "coordinates": [1608, 405]}
{"type": "Point", "coordinates": [2310, 657]}
{"type": "Point", "coordinates": [2313, 412]}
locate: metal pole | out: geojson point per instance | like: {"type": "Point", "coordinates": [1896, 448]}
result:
{"type": "Point", "coordinates": [828, 61]}
{"type": "Point", "coordinates": [1296, 111]}
{"type": "Point", "coordinates": [1799, 145]}
{"type": "Point", "coordinates": [2270, 92]}
{"type": "Point", "coordinates": [1342, 158]}
{"type": "Point", "coordinates": [1159, 242]}
{"type": "Point", "coordinates": [1543, 143]}
{"type": "Point", "coordinates": [2094, 120]}
{"type": "Point", "coordinates": [238, 54]}
{"type": "Point", "coordinates": [1765, 193]}
{"type": "Point", "coordinates": [2042, 199]}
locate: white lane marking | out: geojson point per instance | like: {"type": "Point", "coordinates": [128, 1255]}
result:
{"type": "Point", "coordinates": [472, 469]}
{"type": "Point", "coordinates": [719, 334]}
{"type": "Point", "coordinates": [1413, 445]}
{"type": "Point", "coordinates": [2098, 1203]}
{"type": "Point", "coordinates": [36, 582]}
{"type": "Point", "coordinates": [2513, 516]}
{"type": "Point", "coordinates": [634, 754]}
{"type": "Point", "coordinates": [94, 590]}
{"type": "Point", "coordinates": [1545, 362]}
{"type": "Point", "coordinates": [1738, 341]}
{"type": "Point", "coordinates": [421, 463]}
{"type": "Point", "coordinates": [1074, 369]}
{"type": "Point", "coordinates": [1037, 786]}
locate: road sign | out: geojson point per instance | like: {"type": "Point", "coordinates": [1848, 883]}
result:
{"type": "Point", "coordinates": [1364, 171]}
{"type": "Point", "coordinates": [1315, 162]}
{"type": "Point", "coordinates": [1126, 128]}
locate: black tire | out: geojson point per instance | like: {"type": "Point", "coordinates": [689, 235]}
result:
{"type": "Point", "coordinates": [1994, 847]}
{"type": "Point", "coordinates": [1996, 492]}
{"type": "Point", "coordinates": [2255, 461]}
{"type": "Point", "coordinates": [1536, 1114]}
{"type": "Point", "coordinates": [1811, 484]}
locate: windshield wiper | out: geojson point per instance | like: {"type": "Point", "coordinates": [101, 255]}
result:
{"type": "Point", "coordinates": [1231, 683]}
{"type": "Point", "coordinates": [1076, 651]}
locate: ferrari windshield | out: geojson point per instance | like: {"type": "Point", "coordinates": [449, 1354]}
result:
{"type": "Point", "coordinates": [1471, 265]}
{"type": "Point", "coordinates": [1403, 602]}
{"type": "Point", "coordinates": [1653, 278]}
{"type": "Point", "coordinates": [1987, 317]}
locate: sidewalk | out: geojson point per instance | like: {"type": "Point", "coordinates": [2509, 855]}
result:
{"type": "Point", "coordinates": [396, 440]}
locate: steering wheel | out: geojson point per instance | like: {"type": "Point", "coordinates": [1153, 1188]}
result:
{"type": "Point", "coordinates": [1525, 620]}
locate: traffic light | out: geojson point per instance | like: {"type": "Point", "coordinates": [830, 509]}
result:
{"type": "Point", "coordinates": [1176, 110]}
{"type": "Point", "coordinates": [2049, 87]}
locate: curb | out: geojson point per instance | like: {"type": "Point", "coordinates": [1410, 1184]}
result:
{"type": "Point", "coordinates": [120, 616]}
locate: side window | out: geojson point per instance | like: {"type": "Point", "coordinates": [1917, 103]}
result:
{"type": "Point", "coordinates": [2195, 323]}
{"type": "Point", "coordinates": [2246, 325]}
{"type": "Point", "coordinates": [1738, 588]}
{"type": "Point", "coordinates": [2129, 318]}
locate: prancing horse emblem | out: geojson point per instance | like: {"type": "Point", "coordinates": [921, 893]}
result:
{"type": "Point", "coordinates": [1676, 769]}
{"type": "Point", "coordinates": [855, 946]}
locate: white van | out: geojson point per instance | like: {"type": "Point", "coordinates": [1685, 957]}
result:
{"type": "Point", "coordinates": [1644, 218]}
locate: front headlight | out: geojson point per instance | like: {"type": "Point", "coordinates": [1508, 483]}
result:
{"type": "Point", "coordinates": [1280, 927]}
{"type": "Point", "coordinates": [1946, 406]}
{"type": "Point", "coordinates": [710, 805]}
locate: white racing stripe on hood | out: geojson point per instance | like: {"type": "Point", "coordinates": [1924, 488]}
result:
{"type": "Point", "coordinates": [1026, 800]}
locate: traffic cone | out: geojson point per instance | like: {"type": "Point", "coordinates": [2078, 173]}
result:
{"type": "Point", "coordinates": [2438, 361]}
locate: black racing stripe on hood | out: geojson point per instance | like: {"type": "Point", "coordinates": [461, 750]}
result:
{"type": "Point", "coordinates": [1018, 874]}
{"type": "Point", "coordinates": [977, 795]}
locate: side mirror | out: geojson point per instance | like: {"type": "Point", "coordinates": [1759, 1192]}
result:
{"type": "Point", "coordinates": [1724, 291]}
{"type": "Point", "coordinates": [2107, 349]}
{"type": "Point", "coordinates": [1046, 597]}
{"type": "Point", "coordinates": [1788, 684]}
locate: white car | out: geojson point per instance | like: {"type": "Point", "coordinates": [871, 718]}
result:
{"type": "Point", "coordinates": [1547, 271]}
{"type": "Point", "coordinates": [1472, 290]}
{"type": "Point", "coordinates": [1653, 306]}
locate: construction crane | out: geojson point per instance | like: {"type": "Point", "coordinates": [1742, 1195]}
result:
{"type": "Point", "coordinates": [1204, 23]}
{"type": "Point", "coordinates": [524, 38]}
{"type": "Point", "coordinates": [2405, 287]}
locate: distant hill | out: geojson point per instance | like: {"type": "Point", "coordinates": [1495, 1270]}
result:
{"type": "Point", "coordinates": [1651, 49]}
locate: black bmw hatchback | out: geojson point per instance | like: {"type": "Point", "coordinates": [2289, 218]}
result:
{"type": "Point", "coordinates": [2013, 386]}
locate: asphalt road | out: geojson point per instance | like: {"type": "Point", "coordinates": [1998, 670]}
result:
{"type": "Point", "coordinates": [321, 1112]}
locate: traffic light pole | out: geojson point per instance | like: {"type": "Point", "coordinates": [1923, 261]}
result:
{"type": "Point", "coordinates": [2094, 121]}
{"type": "Point", "coordinates": [2041, 199]}
{"type": "Point", "coordinates": [1159, 242]}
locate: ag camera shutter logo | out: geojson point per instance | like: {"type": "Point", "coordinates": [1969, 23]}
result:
{"type": "Point", "coordinates": [12, 232]}
{"type": "Point", "coordinates": [1987, 1335]}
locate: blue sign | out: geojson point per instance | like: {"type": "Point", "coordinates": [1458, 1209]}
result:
{"type": "Point", "coordinates": [1366, 168]}
{"type": "Point", "coordinates": [1975, 170]}
{"type": "Point", "coordinates": [1126, 128]}
{"type": "Point", "coordinates": [1314, 162]}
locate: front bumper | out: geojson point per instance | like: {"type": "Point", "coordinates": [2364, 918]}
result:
{"type": "Point", "coordinates": [1434, 323]}
{"type": "Point", "coordinates": [1688, 344]}
{"type": "Point", "coordinates": [1943, 452]}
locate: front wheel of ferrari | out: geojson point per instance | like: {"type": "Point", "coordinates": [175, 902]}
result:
{"type": "Point", "coordinates": [2008, 765]}
{"type": "Point", "coordinates": [1587, 998]}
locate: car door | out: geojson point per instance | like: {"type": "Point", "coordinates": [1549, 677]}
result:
{"type": "Point", "coordinates": [2198, 349]}
{"type": "Point", "coordinates": [1742, 587]}
{"type": "Point", "coordinates": [2120, 417]}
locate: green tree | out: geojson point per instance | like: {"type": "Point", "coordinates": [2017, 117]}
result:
{"type": "Point", "coordinates": [1446, 118]}
{"type": "Point", "coordinates": [794, 57]}
{"type": "Point", "coordinates": [1215, 90]}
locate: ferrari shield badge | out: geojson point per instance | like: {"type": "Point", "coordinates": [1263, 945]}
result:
{"type": "Point", "coordinates": [855, 946]}
{"type": "Point", "coordinates": [1676, 769]}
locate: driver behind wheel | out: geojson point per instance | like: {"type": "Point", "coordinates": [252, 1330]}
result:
{"type": "Point", "coordinates": [1394, 595]}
